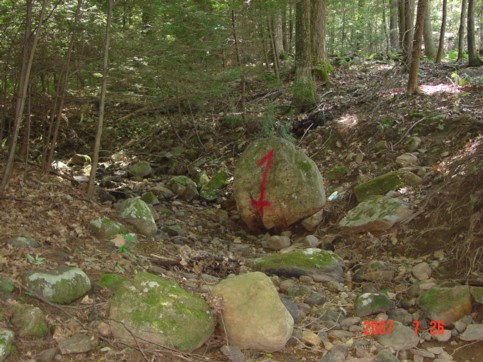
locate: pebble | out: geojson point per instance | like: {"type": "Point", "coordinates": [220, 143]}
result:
{"type": "Point", "coordinates": [422, 271]}
{"type": "Point", "coordinates": [443, 337]}
{"type": "Point", "coordinates": [310, 338]}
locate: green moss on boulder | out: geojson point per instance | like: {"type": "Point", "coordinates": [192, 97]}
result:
{"type": "Point", "coordinates": [378, 186]}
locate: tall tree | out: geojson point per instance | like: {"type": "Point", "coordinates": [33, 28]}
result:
{"type": "Point", "coordinates": [102, 102]}
{"type": "Point", "coordinates": [473, 57]}
{"type": "Point", "coordinates": [442, 33]}
{"type": "Point", "coordinates": [416, 53]}
{"type": "Point", "coordinates": [461, 31]}
{"type": "Point", "coordinates": [408, 33]}
{"type": "Point", "coordinates": [29, 46]}
{"type": "Point", "coordinates": [393, 34]}
{"type": "Point", "coordinates": [317, 34]}
{"type": "Point", "coordinates": [429, 47]}
{"type": "Point", "coordinates": [304, 87]}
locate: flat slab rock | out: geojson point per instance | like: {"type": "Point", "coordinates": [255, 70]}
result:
{"type": "Point", "coordinates": [321, 265]}
{"type": "Point", "coordinates": [378, 213]}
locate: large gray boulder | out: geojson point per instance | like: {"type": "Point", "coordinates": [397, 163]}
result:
{"type": "Point", "coordinates": [151, 309]}
{"type": "Point", "coordinates": [276, 185]}
{"type": "Point", "coordinates": [253, 314]}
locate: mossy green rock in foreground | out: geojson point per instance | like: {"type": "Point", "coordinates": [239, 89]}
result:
{"type": "Point", "coordinates": [29, 321]}
{"type": "Point", "coordinates": [446, 304]}
{"type": "Point", "coordinates": [105, 228]}
{"type": "Point", "coordinates": [378, 186]}
{"type": "Point", "coordinates": [156, 310]}
{"type": "Point", "coordinates": [319, 264]}
{"type": "Point", "coordinates": [292, 184]}
{"type": "Point", "coordinates": [6, 343]}
{"type": "Point", "coordinates": [378, 213]}
{"type": "Point", "coordinates": [372, 303]}
{"type": "Point", "coordinates": [137, 213]}
{"type": "Point", "coordinates": [61, 286]}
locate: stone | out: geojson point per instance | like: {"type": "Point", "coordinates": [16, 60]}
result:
{"type": "Point", "coordinates": [473, 332]}
{"type": "Point", "coordinates": [61, 286]}
{"type": "Point", "coordinates": [79, 160]}
{"type": "Point", "coordinates": [310, 338]}
{"type": "Point", "coordinates": [158, 311]}
{"type": "Point", "coordinates": [400, 338]}
{"type": "Point", "coordinates": [347, 322]}
{"type": "Point", "coordinates": [184, 187]}
{"type": "Point", "coordinates": [336, 172]}
{"type": "Point", "coordinates": [385, 356]}
{"type": "Point", "coordinates": [7, 286]}
{"type": "Point", "coordinates": [105, 228]}
{"type": "Point", "coordinates": [23, 241]}
{"type": "Point", "coordinates": [372, 303]}
{"type": "Point", "coordinates": [315, 299]}
{"type": "Point", "coordinates": [292, 185]}
{"type": "Point", "coordinates": [377, 186]}
{"type": "Point", "coordinates": [253, 314]}
{"type": "Point", "coordinates": [6, 343]}
{"type": "Point", "coordinates": [137, 213]}
{"type": "Point", "coordinates": [276, 242]}
{"type": "Point", "coordinates": [47, 355]}
{"type": "Point", "coordinates": [337, 354]}
{"type": "Point", "coordinates": [401, 315]}
{"type": "Point", "coordinates": [375, 271]}
{"type": "Point", "coordinates": [442, 337]}
{"type": "Point", "coordinates": [111, 281]}
{"type": "Point", "coordinates": [162, 191]}
{"type": "Point", "coordinates": [78, 343]}
{"type": "Point", "coordinates": [150, 198]}
{"type": "Point", "coordinates": [375, 214]}
{"type": "Point", "coordinates": [29, 321]}
{"type": "Point", "coordinates": [233, 353]}
{"type": "Point", "coordinates": [407, 159]}
{"type": "Point", "coordinates": [211, 190]}
{"type": "Point", "coordinates": [310, 241]}
{"type": "Point", "coordinates": [409, 178]}
{"type": "Point", "coordinates": [294, 310]}
{"type": "Point", "coordinates": [310, 223]}
{"type": "Point", "coordinates": [477, 294]}
{"type": "Point", "coordinates": [412, 143]}
{"type": "Point", "coordinates": [140, 169]}
{"type": "Point", "coordinates": [446, 304]}
{"type": "Point", "coordinates": [422, 271]}
{"type": "Point", "coordinates": [321, 265]}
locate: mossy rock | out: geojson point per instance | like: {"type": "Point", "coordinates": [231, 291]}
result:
{"type": "Point", "coordinates": [336, 172]}
{"type": "Point", "coordinates": [150, 198]}
{"type": "Point", "coordinates": [446, 304]}
{"type": "Point", "coordinates": [111, 281]}
{"type": "Point", "coordinates": [137, 213]}
{"type": "Point", "coordinates": [79, 160]}
{"type": "Point", "coordinates": [140, 169]}
{"type": "Point", "coordinates": [61, 286]}
{"type": "Point", "coordinates": [6, 343]}
{"type": "Point", "coordinates": [378, 186]}
{"type": "Point", "coordinates": [319, 264]}
{"type": "Point", "coordinates": [105, 228]}
{"type": "Point", "coordinates": [29, 321]}
{"type": "Point", "coordinates": [184, 187]}
{"type": "Point", "coordinates": [211, 190]}
{"type": "Point", "coordinates": [372, 303]}
{"type": "Point", "coordinates": [158, 311]}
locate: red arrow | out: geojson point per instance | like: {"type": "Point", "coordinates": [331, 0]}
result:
{"type": "Point", "coordinates": [261, 203]}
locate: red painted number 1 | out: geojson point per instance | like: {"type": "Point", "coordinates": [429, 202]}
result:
{"type": "Point", "coordinates": [261, 203]}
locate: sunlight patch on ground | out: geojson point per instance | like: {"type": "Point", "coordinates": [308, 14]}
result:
{"type": "Point", "coordinates": [348, 120]}
{"type": "Point", "coordinates": [430, 89]}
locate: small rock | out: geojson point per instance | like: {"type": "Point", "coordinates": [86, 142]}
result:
{"type": "Point", "coordinates": [337, 354]}
{"type": "Point", "coordinates": [347, 322]}
{"type": "Point", "coordinates": [477, 294]}
{"type": "Point", "coordinates": [407, 159]}
{"type": "Point", "coordinates": [443, 337]}
{"type": "Point", "coordinates": [473, 332]}
{"type": "Point", "coordinates": [422, 271]}
{"type": "Point", "coordinates": [311, 241]}
{"type": "Point", "coordinates": [136, 212]}
{"type": "Point", "coordinates": [184, 187]}
{"type": "Point", "coordinates": [372, 303]}
{"type": "Point", "coordinates": [29, 321]}
{"type": "Point", "coordinates": [311, 223]}
{"type": "Point", "coordinates": [23, 241]}
{"type": "Point", "coordinates": [401, 315]}
{"type": "Point", "coordinates": [375, 271]}
{"type": "Point", "coordinates": [294, 310]}
{"type": "Point", "coordinates": [310, 338]}
{"type": "Point", "coordinates": [315, 299]}
{"type": "Point", "coordinates": [412, 143]}
{"type": "Point", "coordinates": [276, 242]}
{"type": "Point", "coordinates": [79, 160]}
{"type": "Point", "coordinates": [6, 343]}
{"type": "Point", "coordinates": [47, 355]}
{"type": "Point", "coordinates": [385, 356]}
{"type": "Point", "coordinates": [401, 338]}
{"type": "Point", "coordinates": [140, 169]}
{"type": "Point", "coordinates": [233, 353]}
{"type": "Point", "coordinates": [78, 343]}
{"type": "Point", "coordinates": [150, 198]}
{"type": "Point", "coordinates": [377, 186]}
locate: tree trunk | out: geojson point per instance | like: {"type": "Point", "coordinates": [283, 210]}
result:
{"type": "Point", "coordinates": [384, 25]}
{"type": "Point", "coordinates": [102, 102]}
{"type": "Point", "coordinates": [429, 47]}
{"type": "Point", "coordinates": [275, 52]}
{"type": "Point", "coordinates": [461, 32]}
{"type": "Point", "coordinates": [239, 63]}
{"type": "Point", "coordinates": [49, 151]}
{"type": "Point", "coordinates": [321, 66]}
{"type": "Point", "coordinates": [416, 53]}
{"type": "Point", "coordinates": [30, 44]}
{"type": "Point", "coordinates": [393, 34]}
{"type": "Point", "coordinates": [442, 32]}
{"type": "Point", "coordinates": [303, 89]}
{"type": "Point", "coordinates": [277, 32]}
{"type": "Point", "coordinates": [473, 57]}
{"type": "Point", "coordinates": [408, 34]}
{"type": "Point", "coordinates": [402, 23]}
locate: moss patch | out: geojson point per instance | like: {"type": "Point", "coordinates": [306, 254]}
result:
{"type": "Point", "coordinates": [306, 259]}
{"type": "Point", "coordinates": [377, 186]}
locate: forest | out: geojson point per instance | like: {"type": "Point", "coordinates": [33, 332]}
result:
{"type": "Point", "coordinates": [211, 180]}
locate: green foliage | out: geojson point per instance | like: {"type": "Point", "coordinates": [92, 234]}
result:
{"type": "Point", "coordinates": [36, 260]}
{"type": "Point", "coordinates": [386, 123]}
